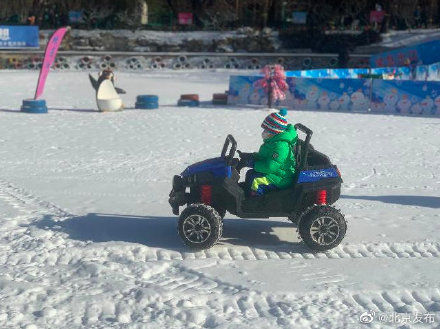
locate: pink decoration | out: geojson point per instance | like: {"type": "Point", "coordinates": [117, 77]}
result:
{"type": "Point", "coordinates": [273, 82]}
{"type": "Point", "coordinates": [49, 58]}
{"type": "Point", "coordinates": [185, 18]}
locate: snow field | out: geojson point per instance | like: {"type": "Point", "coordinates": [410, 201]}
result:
{"type": "Point", "coordinates": [87, 238]}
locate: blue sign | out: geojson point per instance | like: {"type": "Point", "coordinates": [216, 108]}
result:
{"type": "Point", "coordinates": [19, 37]}
{"type": "Point", "coordinates": [75, 16]}
{"type": "Point", "coordinates": [299, 17]}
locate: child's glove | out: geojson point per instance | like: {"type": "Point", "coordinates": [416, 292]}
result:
{"type": "Point", "coordinates": [246, 160]}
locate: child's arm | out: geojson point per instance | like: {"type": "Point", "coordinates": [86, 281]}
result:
{"type": "Point", "coordinates": [269, 161]}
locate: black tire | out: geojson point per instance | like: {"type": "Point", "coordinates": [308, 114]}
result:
{"type": "Point", "coordinates": [294, 219]}
{"type": "Point", "coordinates": [221, 212]}
{"type": "Point", "coordinates": [328, 224]}
{"type": "Point", "coordinates": [200, 226]}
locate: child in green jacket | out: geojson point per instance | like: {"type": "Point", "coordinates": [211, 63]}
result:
{"type": "Point", "coordinates": [274, 164]}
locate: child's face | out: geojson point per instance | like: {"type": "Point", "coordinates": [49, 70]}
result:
{"type": "Point", "coordinates": [265, 134]}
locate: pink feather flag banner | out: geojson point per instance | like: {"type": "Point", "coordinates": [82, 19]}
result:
{"type": "Point", "coordinates": [49, 57]}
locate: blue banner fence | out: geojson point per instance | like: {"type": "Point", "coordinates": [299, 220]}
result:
{"type": "Point", "coordinates": [422, 54]}
{"type": "Point", "coordinates": [346, 94]}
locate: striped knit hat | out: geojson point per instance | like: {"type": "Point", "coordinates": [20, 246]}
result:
{"type": "Point", "coordinates": [275, 123]}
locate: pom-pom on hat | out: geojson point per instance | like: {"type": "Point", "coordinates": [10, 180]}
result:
{"type": "Point", "coordinates": [275, 123]}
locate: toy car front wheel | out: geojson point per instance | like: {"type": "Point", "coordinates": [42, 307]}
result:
{"type": "Point", "coordinates": [322, 227]}
{"type": "Point", "coordinates": [200, 226]}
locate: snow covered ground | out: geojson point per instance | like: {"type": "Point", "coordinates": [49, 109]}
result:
{"type": "Point", "coordinates": [88, 240]}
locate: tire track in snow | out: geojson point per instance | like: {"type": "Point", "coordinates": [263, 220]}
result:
{"type": "Point", "coordinates": [279, 308]}
{"type": "Point", "coordinates": [23, 200]}
{"type": "Point", "coordinates": [182, 279]}
{"type": "Point", "coordinates": [364, 250]}
{"type": "Point", "coordinates": [142, 254]}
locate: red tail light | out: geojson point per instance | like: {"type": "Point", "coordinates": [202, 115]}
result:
{"type": "Point", "coordinates": [321, 197]}
{"type": "Point", "coordinates": [206, 194]}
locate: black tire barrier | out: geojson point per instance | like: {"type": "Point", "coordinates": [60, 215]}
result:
{"type": "Point", "coordinates": [107, 58]}
{"type": "Point", "coordinates": [333, 62]}
{"type": "Point", "coordinates": [34, 106]}
{"type": "Point", "coordinates": [85, 60]}
{"type": "Point", "coordinates": [134, 64]}
{"type": "Point", "coordinates": [142, 62]}
{"type": "Point", "coordinates": [307, 62]}
{"type": "Point", "coordinates": [280, 60]}
{"type": "Point", "coordinates": [177, 66]}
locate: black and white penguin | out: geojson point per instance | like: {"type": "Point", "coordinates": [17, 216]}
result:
{"type": "Point", "coordinates": [106, 74]}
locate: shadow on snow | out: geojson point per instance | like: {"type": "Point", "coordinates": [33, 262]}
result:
{"type": "Point", "coordinates": [161, 232]}
{"type": "Point", "coordinates": [405, 200]}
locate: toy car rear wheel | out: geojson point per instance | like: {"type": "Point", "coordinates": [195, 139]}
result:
{"type": "Point", "coordinates": [200, 226]}
{"type": "Point", "coordinates": [322, 227]}
{"type": "Point", "coordinates": [221, 212]}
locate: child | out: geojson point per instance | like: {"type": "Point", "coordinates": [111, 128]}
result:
{"type": "Point", "coordinates": [274, 164]}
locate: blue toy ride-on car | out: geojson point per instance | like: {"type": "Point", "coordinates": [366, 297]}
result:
{"type": "Point", "coordinates": [211, 187]}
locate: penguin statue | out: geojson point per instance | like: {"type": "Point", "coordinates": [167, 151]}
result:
{"type": "Point", "coordinates": [103, 75]}
{"type": "Point", "coordinates": [107, 97]}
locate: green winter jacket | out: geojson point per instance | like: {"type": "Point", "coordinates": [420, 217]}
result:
{"type": "Point", "coordinates": [276, 158]}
